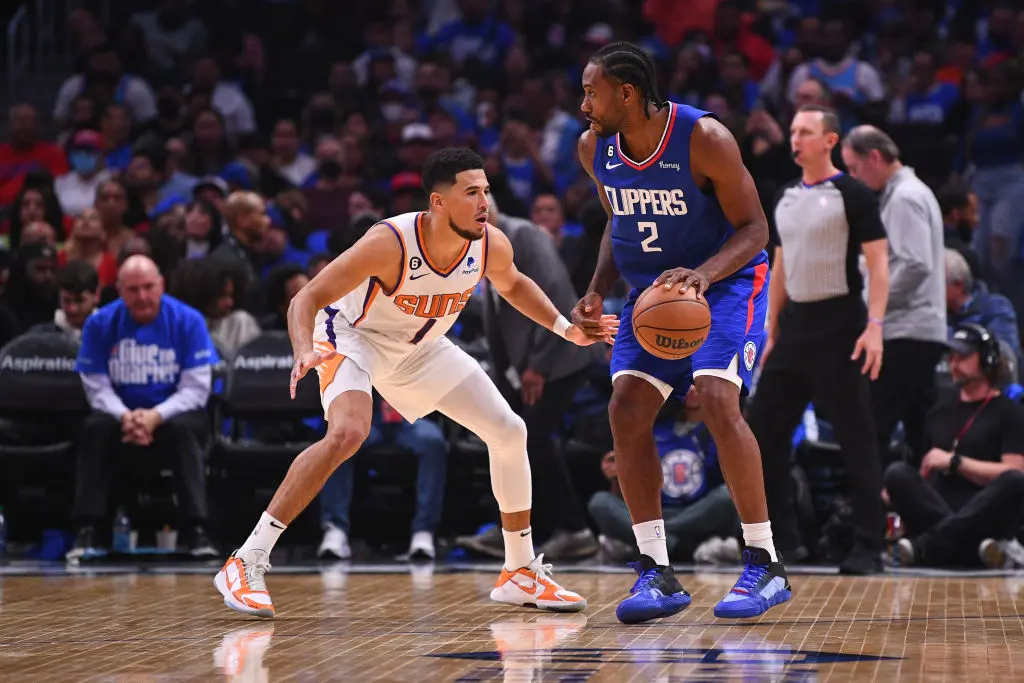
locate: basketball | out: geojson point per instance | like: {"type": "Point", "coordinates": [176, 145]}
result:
{"type": "Point", "coordinates": [671, 325]}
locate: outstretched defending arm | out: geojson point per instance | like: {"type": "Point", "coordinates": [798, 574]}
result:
{"type": "Point", "coordinates": [377, 254]}
{"type": "Point", "coordinates": [528, 298]}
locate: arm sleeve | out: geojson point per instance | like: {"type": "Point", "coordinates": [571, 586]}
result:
{"type": "Point", "coordinates": [197, 346]}
{"type": "Point", "coordinates": [192, 394]}
{"type": "Point", "coordinates": [101, 395]}
{"type": "Point", "coordinates": [910, 257]}
{"type": "Point", "coordinates": [862, 212]}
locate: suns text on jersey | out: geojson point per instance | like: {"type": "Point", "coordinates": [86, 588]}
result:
{"type": "Point", "coordinates": [432, 305]}
{"type": "Point", "coordinates": [632, 201]}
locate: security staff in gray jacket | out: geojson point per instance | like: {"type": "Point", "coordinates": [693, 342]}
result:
{"type": "Point", "coordinates": [914, 330]}
{"type": "Point", "coordinates": [539, 374]}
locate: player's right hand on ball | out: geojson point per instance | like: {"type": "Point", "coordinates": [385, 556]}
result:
{"type": "Point", "coordinates": [306, 360]}
{"type": "Point", "coordinates": [586, 315]}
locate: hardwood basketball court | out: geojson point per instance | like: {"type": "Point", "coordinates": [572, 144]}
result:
{"type": "Point", "coordinates": [387, 623]}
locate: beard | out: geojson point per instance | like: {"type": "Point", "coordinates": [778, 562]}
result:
{"type": "Point", "coordinates": [464, 234]}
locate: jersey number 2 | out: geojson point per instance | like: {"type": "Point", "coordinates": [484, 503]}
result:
{"type": "Point", "coordinates": [648, 242]}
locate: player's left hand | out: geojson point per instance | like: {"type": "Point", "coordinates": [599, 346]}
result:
{"type": "Point", "coordinates": [533, 386]}
{"type": "Point", "coordinates": [608, 328]}
{"type": "Point", "coordinates": [685, 278]}
{"type": "Point", "coordinates": [869, 344]}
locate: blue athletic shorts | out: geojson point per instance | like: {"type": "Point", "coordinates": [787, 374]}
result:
{"type": "Point", "coordinates": [738, 305]}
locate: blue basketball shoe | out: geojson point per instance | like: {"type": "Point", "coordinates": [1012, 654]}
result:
{"type": "Point", "coordinates": [762, 585]}
{"type": "Point", "coordinates": [656, 593]}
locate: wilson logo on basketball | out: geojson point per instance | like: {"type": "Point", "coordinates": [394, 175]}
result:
{"type": "Point", "coordinates": [677, 344]}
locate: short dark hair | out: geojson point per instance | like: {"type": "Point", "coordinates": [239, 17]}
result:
{"type": "Point", "coordinates": [829, 118]}
{"type": "Point", "coordinates": [953, 196]}
{"type": "Point", "coordinates": [78, 277]}
{"type": "Point", "coordinates": [627, 63]}
{"type": "Point", "coordinates": [156, 155]}
{"type": "Point", "coordinates": [443, 165]}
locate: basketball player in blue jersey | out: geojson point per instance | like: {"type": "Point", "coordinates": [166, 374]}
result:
{"type": "Point", "coordinates": [682, 212]}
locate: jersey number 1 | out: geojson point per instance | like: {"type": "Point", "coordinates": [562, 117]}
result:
{"type": "Point", "coordinates": [648, 242]}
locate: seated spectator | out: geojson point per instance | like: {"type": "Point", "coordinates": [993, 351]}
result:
{"type": "Point", "coordinates": [246, 216]}
{"type": "Point", "coordinates": [426, 441]}
{"type": "Point", "coordinates": [289, 160]}
{"type": "Point", "coordinates": [34, 205]}
{"type": "Point", "coordinates": [969, 301]}
{"type": "Point", "coordinates": [970, 485]}
{"type": "Point", "coordinates": [694, 495]}
{"type": "Point", "coordinates": [76, 189]}
{"type": "Point", "coordinates": [227, 98]}
{"type": "Point", "coordinates": [960, 219]}
{"type": "Point", "coordinates": [145, 177]}
{"type": "Point", "coordinates": [145, 362]}
{"type": "Point", "coordinates": [104, 79]}
{"type": "Point", "coordinates": [202, 229]}
{"type": "Point", "coordinates": [173, 36]}
{"type": "Point", "coordinates": [326, 190]}
{"type": "Point", "coordinates": [214, 288]}
{"type": "Point", "coordinates": [927, 101]}
{"type": "Point", "coordinates": [115, 131]}
{"type": "Point", "coordinates": [211, 148]}
{"type": "Point", "coordinates": [30, 295]}
{"type": "Point", "coordinates": [88, 243]}
{"type": "Point", "coordinates": [39, 232]}
{"type": "Point", "coordinates": [112, 205]}
{"type": "Point", "coordinates": [24, 152]}
{"type": "Point", "coordinates": [283, 283]}
{"type": "Point", "coordinates": [78, 287]}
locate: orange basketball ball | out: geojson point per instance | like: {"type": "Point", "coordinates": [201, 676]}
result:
{"type": "Point", "coordinates": [670, 325]}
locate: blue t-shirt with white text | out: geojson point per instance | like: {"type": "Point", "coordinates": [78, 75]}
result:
{"type": "Point", "coordinates": [145, 362]}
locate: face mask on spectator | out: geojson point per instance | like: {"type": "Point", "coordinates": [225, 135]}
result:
{"type": "Point", "coordinates": [330, 169]}
{"type": "Point", "coordinates": [83, 161]}
{"type": "Point", "coordinates": [392, 111]}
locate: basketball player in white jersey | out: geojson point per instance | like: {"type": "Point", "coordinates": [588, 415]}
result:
{"type": "Point", "coordinates": [376, 317]}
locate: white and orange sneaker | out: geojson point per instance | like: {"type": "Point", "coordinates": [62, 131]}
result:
{"type": "Point", "coordinates": [241, 583]}
{"type": "Point", "coordinates": [533, 586]}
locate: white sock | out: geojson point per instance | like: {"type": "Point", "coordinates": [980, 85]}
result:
{"type": "Point", "coordinates": [760, 536]}
{"type": "Point", "coordinates": [650, 539]}
{"type": "Point", "coordinates": [518, 548]}
{"type": "Point", "coordinates": [263, 537]}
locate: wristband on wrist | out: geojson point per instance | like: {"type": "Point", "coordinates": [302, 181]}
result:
{"type": "Point", "coordinates": [560, 326]}
{"type": "Point", "coordinates": [876, 321]}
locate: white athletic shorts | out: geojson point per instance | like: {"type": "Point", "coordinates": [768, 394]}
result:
{"type": "Point", "coordinates": [411, 378]}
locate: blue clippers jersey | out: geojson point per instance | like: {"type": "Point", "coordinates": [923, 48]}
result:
{"type": "Point", "coordinates": [662, 219]}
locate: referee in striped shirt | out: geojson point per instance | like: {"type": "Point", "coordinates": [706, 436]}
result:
{"type": "Point", "coordinates": [823, 343]}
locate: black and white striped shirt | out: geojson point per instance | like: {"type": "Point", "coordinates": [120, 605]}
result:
{"type": "Point", "coordinates": [821, 228]}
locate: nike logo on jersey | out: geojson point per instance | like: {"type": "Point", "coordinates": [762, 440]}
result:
{"type": "Point", "coordinates": [610, 166]}
{"type": "Point", "coordinates": [417, 277]}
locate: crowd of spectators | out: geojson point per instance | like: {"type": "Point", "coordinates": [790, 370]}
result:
{"type": "Point", "coordinates": [240, 146]}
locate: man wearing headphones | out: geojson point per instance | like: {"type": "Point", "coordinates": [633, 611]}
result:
{"type": "Point", "coordinates": [966, 500]}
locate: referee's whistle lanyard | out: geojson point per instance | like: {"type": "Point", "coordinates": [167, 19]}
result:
{"type": "Point", "coordinates": [970, 421]}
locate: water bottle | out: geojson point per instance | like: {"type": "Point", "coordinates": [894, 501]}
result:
{"type": "Point", "coordinates": [122, 532]}
{"type": "Point", "coordinates": [3, 534]}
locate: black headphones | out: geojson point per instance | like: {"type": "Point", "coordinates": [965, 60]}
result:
{"type": "Point", "coordinates": [989, 353]}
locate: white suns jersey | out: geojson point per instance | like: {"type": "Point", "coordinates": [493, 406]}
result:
{"type": "Point", "coordinates": [427, 300]}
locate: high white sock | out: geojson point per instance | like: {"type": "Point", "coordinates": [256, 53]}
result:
{"type": "Point", "coordinates": [518, 548]}
{"type": "Point", "coordinates": [759, 535]}
{"type": "Point", "coordinates": [264, 536]}
{"type": "Point", "coordinates": [650, 539]}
